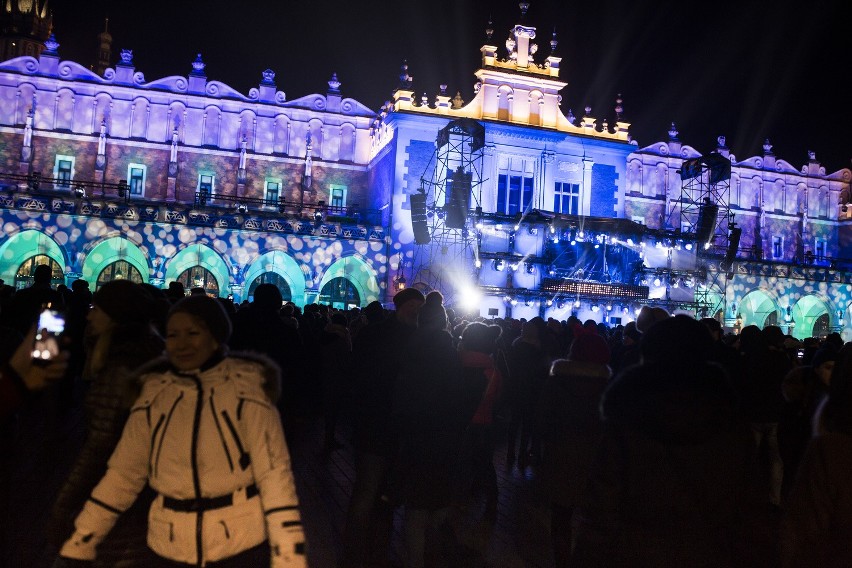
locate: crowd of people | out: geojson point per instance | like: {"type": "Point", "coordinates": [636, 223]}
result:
{"type": "Point", "coordinates": [663, 442]}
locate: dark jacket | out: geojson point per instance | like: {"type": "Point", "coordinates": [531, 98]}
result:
{"type": "Point", "coordinates": [430, 413]}
{"type": "Point", "coordinates": [674, 482]}
{"type": "Point", "coordinates": [112, 391]}
{"type": "Point", "coordinates": [817, 527]}
{"type": "Point", "coordinates": [377, 351]}
{"type": "Point", "coordinates": [570, 427]}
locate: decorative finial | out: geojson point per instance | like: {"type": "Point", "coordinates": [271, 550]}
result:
{"type": "Point", "coordinates": [571, 118]}
{"type": "Point", "coordinates": [404, 78]}
{"type": "Point", "coordinates": [588, 110]}
{"type": "Point", "coordinates": [489, 31]}
{"type": "Point", "coordinates": [458, 102]}
{"type": "Point", "coordinates": [333, 84]}
{"type": "Point", "coordinates": [553, 42]}
{"type": "Point", "coordinates": [811, 155]}
{"type": "Point", "coordinates": [198, 65]}
{"type": "Point", "coordinates": [767, 147]}
{"type": "Point", "coordinates": [268, 77]}
{"type": "Point", "coordinates": [443, 87]}
{"type": "Point", "coordinates": [424, 100]}
{"type": "Point", "coordinates": [721, 141]}
{"type": "Point", "coordinates": [673, 132]}
{"type": "Point", "coordinates": [51, 45]}
{"type": "Point", "coordinates": [618, 108]}
{"type": "Point", "coordinates": [524, 6]}
{"type": "Point", "coordinates": [126, 56]}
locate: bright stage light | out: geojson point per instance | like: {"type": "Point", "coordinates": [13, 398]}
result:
{"type": "Point", "coordinates": [469, 297]}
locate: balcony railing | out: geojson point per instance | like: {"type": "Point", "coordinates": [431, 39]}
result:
{"type": "Point", "coordinates": [221, 204]}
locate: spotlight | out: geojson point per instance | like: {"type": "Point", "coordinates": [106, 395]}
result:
{"type": "Point", "coordinates": [577, 303]}
{"type": "Point", "coordinates": [530, 268]}
{"type": "Point", "coordinates": [688, 246]}
{"type": "Point", "coordinates": [549, 301]}
{"type": "Point", "coordinates": [478, 263]}
{"type": "Point", "coordinates": [499, 265]}
{"type": "Point", "coordinates": [595, 308]}
{"type": "Point", "coordinates": [609, 307]}
{"type": "Point", "coordinates": [657, 281]}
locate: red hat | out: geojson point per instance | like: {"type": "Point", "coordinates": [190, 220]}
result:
{"type": "Point", "coordinates": [589, 347]}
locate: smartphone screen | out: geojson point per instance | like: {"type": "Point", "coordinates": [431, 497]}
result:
{"type": "Point", "coordinates": [50, 326]}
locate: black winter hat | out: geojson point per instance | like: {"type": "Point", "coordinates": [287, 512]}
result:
{"type": "Point", "coordinates": [679, 341]}
{"type": "Point", "coordinates": [209, 311]}
{"type": "Point", "coordinates": [125, 302]}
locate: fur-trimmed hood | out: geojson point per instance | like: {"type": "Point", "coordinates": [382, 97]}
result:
{"type": "Point", "coordinates": [270, 371]}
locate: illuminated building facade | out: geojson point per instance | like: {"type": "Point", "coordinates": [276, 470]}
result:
{"type": "Point", "coordinates": [504, 201]}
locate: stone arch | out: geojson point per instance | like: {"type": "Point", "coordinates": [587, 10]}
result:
{"type": "Point", "coordinates": [281, 136]}
{"type": "Point", "coordinates": [25, 244]}
{"type": "Point", "coordinates": [64, 112]}
{"type": "Point", "coordinates": [110, 250]}
{"type": "Point", "coordinates": [141, 117]}
{"type": "Point", "coordinates": [315, 127]}
{"type": "Point", "coordinates": [536, 106]}
{"type": "Point", "coordinates": [805, 313]}
{"type": "Point", "coordinates": [247, 122]}
{"type": "Point", "coordinates": [198, 254]}
{"type": "Point", "coordinates": [505, 93]}
{"type": "Point", "coordinates": [347, 142]}
{"type": "Point", "coordinates": [26, 92]}
{"type": "Point", "coordinates": [359, 273]}
{"type": "Point", "coordinates": [282, 264]}
{"type": "Point", "coordinates": [212, 121]}
{"type": "Point", "coordinates": [755, 307]}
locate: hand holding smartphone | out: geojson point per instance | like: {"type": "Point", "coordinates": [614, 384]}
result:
{"type": "Point", "coordinates": [51, 324]}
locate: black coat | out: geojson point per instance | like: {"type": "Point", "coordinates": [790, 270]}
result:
{"type": "Point", "coordinates": [113, 390]}
{"type": "Point", "coordinates": [675, 480]}
{"type": "Point", "coordinates": [376, 353]}
{"type": "Point", "coordinates": [431, 412]}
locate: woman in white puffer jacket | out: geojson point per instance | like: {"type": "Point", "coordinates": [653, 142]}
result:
{"type": "Point", "coordinates": [206, 435]}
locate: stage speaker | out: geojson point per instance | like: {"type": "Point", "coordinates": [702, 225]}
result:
{"type": "Point", "coordinates": [706, 224]}
{"type": "Point", "coordinates": [733, 245]}
{"type": "Point", "coordinates": [458, 199]}
{"type": "Point", "coordinates": [418, 219]}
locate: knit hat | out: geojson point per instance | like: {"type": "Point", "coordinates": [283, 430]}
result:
{"type": "Point", "coordinates": [268, 296]}
{"type": "Point", "coordinates": [631, 332]}
{"type": "Point", "coordinates": [432, 314]}
{"type": "Point", "coordinates": [125, 302]}
{"type": "Point", "coordinates": [679, 340]}
{"type": "Point", "coordinates": [480, 337]}
{"type": "Point", "coordinates": [648, 316]}
{"type": "Point", "coordinates": [209, 311]}
{"type": "Point", "coordinates": [406, 295]}
{"type": "Point", "coordinates": [589, 348]}
{"type": "Point", "coordinates": [824, 355]}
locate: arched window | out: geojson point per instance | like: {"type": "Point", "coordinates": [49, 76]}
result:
{"type": "Point", "coordinates": [24, 276]}
{"type": "Point", "coordinates": [118, 270]}
{"type": "Point", "coordinates": [199, 277]}
{"type": "Point", "coordinates": [271, 278]}
{"type": "Point", "coordinates": [340, 293]}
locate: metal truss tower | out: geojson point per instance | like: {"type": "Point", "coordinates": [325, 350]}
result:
{"type": "Point", "coordinates": [452, 183]}
{"type": "Point", "coordinates": [703, 214]}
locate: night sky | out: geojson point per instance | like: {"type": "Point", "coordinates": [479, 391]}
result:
{"type": "Point", "coordinates": [746, 70]}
